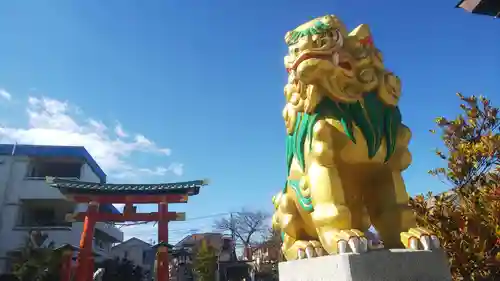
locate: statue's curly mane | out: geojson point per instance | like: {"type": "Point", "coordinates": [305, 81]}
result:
{"type": "Point", "coordinates": [375, 119]}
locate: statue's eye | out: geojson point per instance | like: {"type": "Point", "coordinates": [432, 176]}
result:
{"type": "Point", "coordinates": [294, 51]}
{"type": "Point", "coordinates": [332, 37]}
{"type": "Point", "coordinates": [317, 43]}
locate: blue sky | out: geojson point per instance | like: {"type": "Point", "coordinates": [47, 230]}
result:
{"type": "Point", "coordinates": [164, 90]}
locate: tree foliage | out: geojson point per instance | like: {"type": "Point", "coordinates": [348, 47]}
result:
{"type": "Point", "coordinates": [122, 270]}
{"type": "Point", "coordinates": [466, 218]}
{"type": "Point", "coordinates": [205, 262]}
{"type": "Point", "coordinates": [267, 269]}
{"type": "Point", "coordinates": [34, 263]}
{"type": "Point", "coordinates": [272, 241]}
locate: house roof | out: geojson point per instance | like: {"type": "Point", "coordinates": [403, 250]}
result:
{"type": "Point", "coordinates": [192, 238]}
{"type": "Point", "coordinates": [74, 186]}
{"type": "Point", "coordinates": [132, 240]}
{"type": "Point", "coordinates": [164, 244]}
{"type": "Point", "coordinates": [78, 152]}
{"type": "Point", "coordinates": [67, 247]}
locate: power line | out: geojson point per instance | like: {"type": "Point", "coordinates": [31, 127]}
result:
{"type": "Point", "coordinates": [209, 216]}
{"type": "Point", "coordinates": [188, 219]}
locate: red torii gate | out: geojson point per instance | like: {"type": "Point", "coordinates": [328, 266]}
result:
{"type": "Point", "coordinates": [95, 194]}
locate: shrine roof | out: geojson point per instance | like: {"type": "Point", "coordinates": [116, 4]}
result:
{"type": "Point", "coordinates": [80, 187]}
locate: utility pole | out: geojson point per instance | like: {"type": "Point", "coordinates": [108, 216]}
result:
{"type": "Point", "coordinates": [233, 237]}
{"type": "Point", "coordinates": [231, 219]}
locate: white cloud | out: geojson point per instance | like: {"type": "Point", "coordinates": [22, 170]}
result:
{"type": "Point", "coordinates": [175, 168]}
{"type": "Point", "coordinates": [53, 122]}
{"type": "Point", "coordinates": [5, 95]}
{"type": "Point", "coordinates": [120, 132]}
{"type": "Point", "coordinates": [146, 232]}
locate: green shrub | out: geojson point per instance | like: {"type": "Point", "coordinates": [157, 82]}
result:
{"type": "Point", "coordinates": [466, 218]}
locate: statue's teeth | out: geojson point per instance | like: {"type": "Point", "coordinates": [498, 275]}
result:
{"type": "Point", "coordinates": [340, 39]}
{"type": "Point", "coordinates": [335, 59]}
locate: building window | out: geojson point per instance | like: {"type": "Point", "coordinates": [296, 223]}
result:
{"type": "Point", "coordinates": [99, 243]}
{"type": "Point", "coordinates": [41, 168]}
{"type": "Point", "coordinates": [125, 254]}
{"type": "Point", "coordinates": [38, 217]}
{"type": "Point", "coordinates": [44, 213]}
{"type": "Point", "coordinates": [101, 240]}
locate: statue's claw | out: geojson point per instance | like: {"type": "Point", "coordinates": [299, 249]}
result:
{"type": "Point", "coordinates": [309, 249]}
{"type": "Point", "coordinates": [318, 248]}
{"type": "Point", "coordinates": [364, 245]}
{"type": "Point", "coordinates": [301, 254]}
{"type": "Point", "coordinates": [420, 238]}
{"type": "Point", "coordinates": [310, 253]}
{"type": "Point", "coordinates": [342, 246]}
{"type": "Point", "coordinates": [435, 242]}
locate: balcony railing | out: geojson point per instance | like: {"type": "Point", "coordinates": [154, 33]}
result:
{"type": "Point", "coordinates": [45, 225]}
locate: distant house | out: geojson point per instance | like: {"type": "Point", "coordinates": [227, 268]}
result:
{"type": "Point", "coordinates": [137, 251]}
{"type": "Point", "coordinates": [265, 253]}
{"type": "Point", "coordinates": [191, 241]}
{"type": "Point", "coordinates": [223, 245]}
{"type": "Point", "coordinates": [482, 7]}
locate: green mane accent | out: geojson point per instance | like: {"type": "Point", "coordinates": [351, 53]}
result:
{"type": "Point", "coordinates": [375, 120]}
{"type": "Point", "coordinates": [318, 28]}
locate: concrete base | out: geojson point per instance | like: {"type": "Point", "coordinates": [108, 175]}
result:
{"type": "Point", "coordinates": [379, 265]}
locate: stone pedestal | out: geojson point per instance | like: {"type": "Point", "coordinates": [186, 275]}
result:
{"type": "Point", "coordinates": [379, 265]}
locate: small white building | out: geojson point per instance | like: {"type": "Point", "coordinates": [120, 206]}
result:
{"type": "Point", "coordinates": [28, 203]}
{"type": "Point", "coordinates": [136, 251]}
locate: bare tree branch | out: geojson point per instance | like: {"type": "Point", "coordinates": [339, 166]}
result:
{"type": "Point", "coordinates": [244, 225]}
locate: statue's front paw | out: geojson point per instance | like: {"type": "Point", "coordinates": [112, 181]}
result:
{"type": "Point", "coordinates": [350, 240]}
{"type": "Point", "coordinates": [420, 239]}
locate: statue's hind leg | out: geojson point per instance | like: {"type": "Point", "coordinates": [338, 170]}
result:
{"type": "Point", "coordinates": [387, 202]}
{"type": "Point", "coordinates": [332, 216]}
{"type": "Point", "coordinates": [290, 223]}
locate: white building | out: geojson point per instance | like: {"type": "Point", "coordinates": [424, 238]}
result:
{"type": "Point", "coordinates": [139, 252]}
{"type": "Point", "coordinates": [28, 203]}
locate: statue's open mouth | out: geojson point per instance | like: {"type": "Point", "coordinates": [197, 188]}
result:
{"type": "Point", "coordinates": [329, 56]}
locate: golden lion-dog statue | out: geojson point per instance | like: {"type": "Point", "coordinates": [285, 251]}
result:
{"type": "Point", "coordinates": [346, 147]}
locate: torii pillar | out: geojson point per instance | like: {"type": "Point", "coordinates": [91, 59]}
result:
{"type": "Point", "coordinates": [162, 269]}
{"type": "Point", "coordinates": [85, 265]}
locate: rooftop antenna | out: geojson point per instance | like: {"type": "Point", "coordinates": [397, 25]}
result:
{"type": "Point", "coordinates": [14, 149]}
